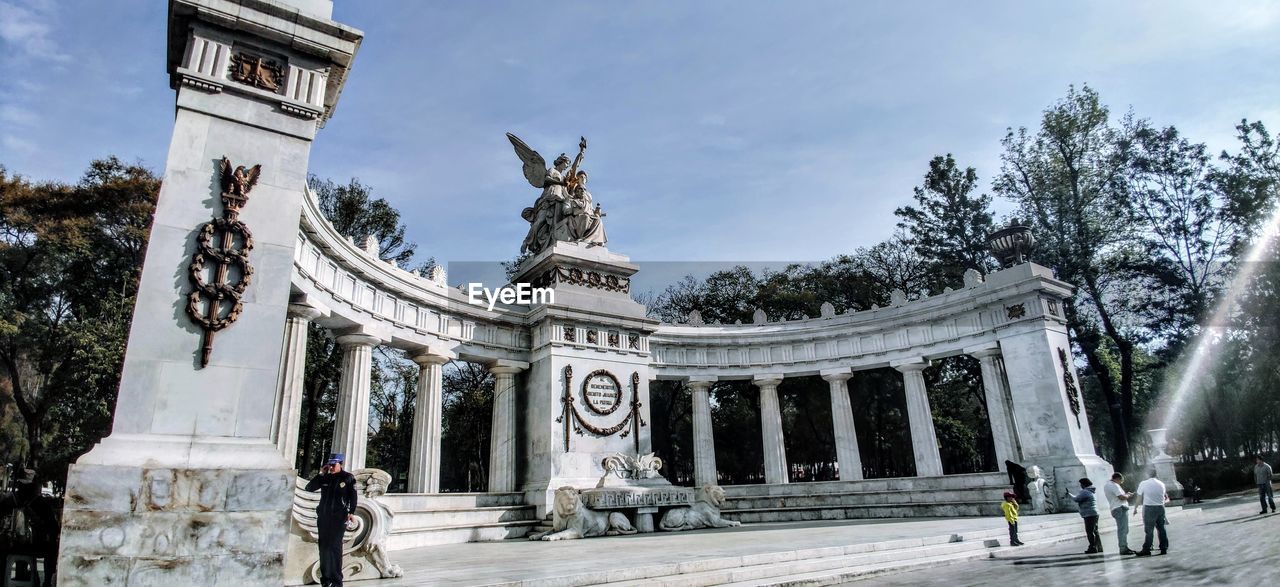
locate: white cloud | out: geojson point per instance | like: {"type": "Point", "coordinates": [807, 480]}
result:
{"type": "Point", "coordinates": [17, 144]}
{"type": "Point", "coordinates": [28, 28]}
{"type": "Point", "coordinates": [11, 114]}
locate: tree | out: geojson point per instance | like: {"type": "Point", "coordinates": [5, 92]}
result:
{"type": "Point", "coordinates": [70, 257]}
{"type": "Point", "coordinates": [354, 212]}
{"type": "Point", "coordinates": [949, 224]}
{"type": "Point", "coordinates": [1068, 178]}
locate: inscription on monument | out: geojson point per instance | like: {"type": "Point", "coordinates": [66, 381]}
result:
{"type": "Point", "coordinates": [601, 392]}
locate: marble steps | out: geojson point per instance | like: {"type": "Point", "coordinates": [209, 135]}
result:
{"type": "Point", "coordinates": [449, 518]}
{"type": "Point", "coordinates": [940, 509]}
{"type": "Point", "coordinates": [418, 537]}
{"type": "Point", "coordinates": [974, 494]}
{"type": "Point", "coordinates": [866, 498]}
{"type": "Point", "coordinates": [783, 563]}
{"type": "Point", "coordinates": [463, 517]}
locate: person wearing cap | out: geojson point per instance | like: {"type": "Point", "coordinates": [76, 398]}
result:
{"type": "Point", "coordinates": [337, 508]}
{"type": "Point", "coordinates": [1010, 509]}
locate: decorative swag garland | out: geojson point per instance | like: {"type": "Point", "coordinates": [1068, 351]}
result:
{"type": "Point", "coordinates": [571, 417]}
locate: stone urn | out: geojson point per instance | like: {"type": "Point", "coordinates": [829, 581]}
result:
{"type": "Point", "coordinates": [1012, 244]}
{"type": "Point", "coordinates": [1163, 464]}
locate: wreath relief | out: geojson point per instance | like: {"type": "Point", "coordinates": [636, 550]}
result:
{"type": "Point", "coordinates": [222, 255]}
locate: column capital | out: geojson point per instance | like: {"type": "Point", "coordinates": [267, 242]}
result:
{"type": "Point", "coordinates": [432, 356]}
{"type": "Point", "coordinates": [836, 374]}
{"type": "Point", "coordinates": [701, 382]}
{"type": "Point", "coordinates": [305, 311]}
{"type": "Point", "coordinates": [909, 365]}
{"type": "Point", "coordinates": [983, 351]}
{"type": "Point", "coordinates": [358, 339]}
{"type": "Point", "coordinates": [505, 367]}
{"type": "Point", "coordinates": [767, 379]}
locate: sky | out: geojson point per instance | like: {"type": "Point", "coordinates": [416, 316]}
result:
{"type": "Point", "coordinates": [725, 131]}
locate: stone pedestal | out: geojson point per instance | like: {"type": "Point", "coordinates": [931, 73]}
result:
{"type": "Point", "coordinates": [191, 488]}
{"type": "Point", "coordinates": [1047, 406]}
{"type": "Point", "coordinates": [1163, 464]}
{"type": "Point", "coordinates": [585, 396]}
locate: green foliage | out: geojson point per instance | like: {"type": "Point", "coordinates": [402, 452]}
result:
{"type": "Point", "coordinates": [70, 257]}
{"type": "Point", "coordinates": [949, 224]}
{"type": "Point", "coordinates": [467, 414]}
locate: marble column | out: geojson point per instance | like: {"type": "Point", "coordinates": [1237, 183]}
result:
{"type": "Point", "coordinates": [351, 426]}
{"type": "Point", "coordinates": [924, 441]}
{"type": "Point", "coordinates": [424, 448]}
{"type": "Point", "coordinates": [998, 409]}
{"type": "Point", "coordinates": [704, 445]}
{"type": "Point", "coordinates": [842, 422]}
{"type": "Point", "coordinates": [502, 439]}
{"type": "Point", "coordinates": [775, 452]}
{"type": "Point", "coordinates": [287, 413]}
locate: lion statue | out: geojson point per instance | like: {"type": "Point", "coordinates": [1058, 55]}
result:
{"type": "Point", "coordinates": [704, 513]}
{"type": "Point", "coordinates": [573, 520]}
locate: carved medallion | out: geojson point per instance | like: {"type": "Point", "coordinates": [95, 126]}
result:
{"type": "Point", "coordinates": [601, 392]}
{"type": "Point", "coordinates": [613, 339]}
{"type": "Point", "coordinates": [633, 341]}
{"type": "Point", "coordinates": [256, 71]}
{"type": "Point", "coordinates": [570, 334]}
{"type": "Point", "coordinates": [220, 270]}
{"type": "Point", "coordinates": [1053, 308]}
{"type": "Point", "coordinates": [593, 337]}
{"type": "Point", "coordinates": [1015, 311]}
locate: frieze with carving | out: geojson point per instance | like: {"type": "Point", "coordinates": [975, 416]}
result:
{"type": "Point", "coordinates": [256, 71]}
{"type": "Point", "coordinates": [222, 251]}
{"type": "Point", "coordinates": [576, 276]}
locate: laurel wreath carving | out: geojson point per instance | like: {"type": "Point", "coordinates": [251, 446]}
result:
{"type": "Point", "coordinates": [208, 300]}
{"type": "Point", "coordinates": [574, 420]}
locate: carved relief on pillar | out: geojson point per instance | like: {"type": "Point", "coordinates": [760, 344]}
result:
{"type": "Point", "coordinates": [257, 71]}
{"type": "Point", "coordinates": [214, 301]}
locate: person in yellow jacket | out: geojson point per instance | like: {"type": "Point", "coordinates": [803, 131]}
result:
{"type": "Point", "coordinates": [1010, 508]}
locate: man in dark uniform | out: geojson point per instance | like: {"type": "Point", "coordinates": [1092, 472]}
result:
{"type": "Point", "coordinates": [337, 507]}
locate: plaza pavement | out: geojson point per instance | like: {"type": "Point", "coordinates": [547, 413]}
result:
{"type": "Point", "coordinates": [551, 563]}
{"type": "Point", "coordinates": [1228, 544]}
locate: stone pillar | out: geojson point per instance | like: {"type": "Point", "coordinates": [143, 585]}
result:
{"type": "Point", "coordinates": [190, 488]}
{"type": "Point", "coordinates": [775, 452]}
{"type": "Point", "coordinates": [351, 425]}
{"type": "Point", "coordinates": [704, 445]}
{"type": "Point", "coordinates": [842, 422]}
{"type": "Point", "coordinates": [996, 389]}
{"type": "Point", "coordinates": [287, 415]}
{"type": "Point", "coordinates": [502, 439]}
{"type": "Point", "coordinates": [424, 449]}
{"type": "Point", "coordinates": [924, 441]}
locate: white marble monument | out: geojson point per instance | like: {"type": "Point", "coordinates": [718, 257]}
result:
{"type": "Point", "coordinates": [191, 488]}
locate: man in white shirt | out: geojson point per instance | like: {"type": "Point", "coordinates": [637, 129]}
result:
{"type": "Point", "coordinates": [1152, 496]}
{"type": "Point", "coordinates": [1119, 501]}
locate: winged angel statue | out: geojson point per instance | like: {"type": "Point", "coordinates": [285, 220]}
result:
{"type": "Point", "coordinates": [564, 211]}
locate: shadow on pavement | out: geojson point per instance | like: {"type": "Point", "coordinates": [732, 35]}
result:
{"type": "Point", "coordinates": [1249, 518]}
